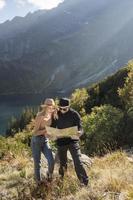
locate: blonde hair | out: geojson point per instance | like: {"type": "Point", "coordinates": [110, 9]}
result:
{"type": "Point", "coordinates": [54, 113]}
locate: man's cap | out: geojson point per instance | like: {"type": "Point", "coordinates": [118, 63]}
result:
{"type": "Point", "coordinates": [63, 102]}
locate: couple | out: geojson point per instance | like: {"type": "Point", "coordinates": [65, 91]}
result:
{"type": "Point", "coordinates": [63, 117]}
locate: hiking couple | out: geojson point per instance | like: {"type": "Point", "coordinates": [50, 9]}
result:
{"type": "Point", "coordinates": [62, 117]}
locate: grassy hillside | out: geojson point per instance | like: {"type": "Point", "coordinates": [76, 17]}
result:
{"type": "Point", "coordinates": [111, 176]}
{"type": "Point", "coordinates": [106, 91]}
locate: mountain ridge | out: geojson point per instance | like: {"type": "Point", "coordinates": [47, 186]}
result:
{"type": "Point", "coordinates": [75, 44]}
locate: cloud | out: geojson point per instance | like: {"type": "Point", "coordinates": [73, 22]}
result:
{"type": "Point", "coordinates": [41, 4]}
{"type": "Point", "coordinates": [2, 4]}
{"type": "Point", "coordinates": [21, 2]}
{"type": "Point", "coordinates": [45, 4]}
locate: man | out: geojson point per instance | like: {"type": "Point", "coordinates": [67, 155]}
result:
{"type": "Point", "coordinates": [67, 117]}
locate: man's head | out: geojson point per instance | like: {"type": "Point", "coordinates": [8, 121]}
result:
{"type": "Point", "coordinates": [64, 105]}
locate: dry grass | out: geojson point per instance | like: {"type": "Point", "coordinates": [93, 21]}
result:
{"type": "Point", "coordinates": [112, 174]}
{"type": "Point", "coordinates": [111, 178]}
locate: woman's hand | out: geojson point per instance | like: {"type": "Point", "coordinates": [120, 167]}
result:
{"type": "Point", "coordinates": [47, 135]}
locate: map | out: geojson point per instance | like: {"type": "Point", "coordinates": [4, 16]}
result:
{"type": "Point", "coordinates": [55, 133]}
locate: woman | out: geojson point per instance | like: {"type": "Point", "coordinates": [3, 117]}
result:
{"type": "Point", "coordinates": [39, 142]}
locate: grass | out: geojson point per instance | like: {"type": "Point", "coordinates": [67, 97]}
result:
{"type": "Point", "coordinates": [111, 177]}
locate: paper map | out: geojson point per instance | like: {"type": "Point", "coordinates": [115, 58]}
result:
{"type": "Point", "coordinates": [60, 133]}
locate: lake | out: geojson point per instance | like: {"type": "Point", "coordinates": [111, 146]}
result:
{"type": "Point", "coordinates": [13, 105]}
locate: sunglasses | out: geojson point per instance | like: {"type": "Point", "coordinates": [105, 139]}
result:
{"type": "Point", "coordinates": [64, 108]}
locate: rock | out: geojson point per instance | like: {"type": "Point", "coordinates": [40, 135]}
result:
{"type": "Point", "coordinates": [85, 159]}
{"type": "Point", "coordinates": [130, 159]}
{"type": "Point", "coordinates": [129, 153]}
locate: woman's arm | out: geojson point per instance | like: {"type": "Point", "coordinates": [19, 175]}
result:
{"type": "Point", "coordinates": [38, 121]}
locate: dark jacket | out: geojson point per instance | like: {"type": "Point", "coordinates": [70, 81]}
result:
{"type": "Point", "coordinates": [67, 120]}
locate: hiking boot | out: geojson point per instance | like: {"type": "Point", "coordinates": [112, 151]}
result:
{"type": "Point", "coordinates": [84, 182]}
{"type": "Point", "coordinates": [62, 171]}
{"type": "Point", "coordinates": [38, 183]}
{"type": "Point", "coordinates": [49, 176]}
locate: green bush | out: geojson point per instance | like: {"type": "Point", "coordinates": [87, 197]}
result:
{"type": "Point", "coordinates": [102, 128]}
{"type": "Point", "coordinates": [23, 137]}
{"type": "Point", "coordinates": [19, 124]}
{"type": "Point", "coordinates": [126, 93]}
{"type": "Point", "coordinates": [3, 147]}
{"type": "Point", "coordinates": [17, 145]}
{"type": "Point", "coordinates": [106, 91]}
{"type": "Point", "coordinates": [78, 99]}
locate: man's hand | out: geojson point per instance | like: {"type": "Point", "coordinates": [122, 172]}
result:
{"type": "Point", "coordinates": [80, 133]}
{"type": "Point", "coordinates": [76, 137]}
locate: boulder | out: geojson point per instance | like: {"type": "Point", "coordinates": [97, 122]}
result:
{"type": "Point", "coordinates": [85, 159]}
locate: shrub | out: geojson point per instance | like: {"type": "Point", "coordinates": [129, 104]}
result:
{"type": "Point", "coordinates": [20, 123]}
{"type": "Point", "coordinates": [3, 147]}
{"type": "Point", "coordinates": [102, 129]}
{"type": "Point", "coordinates": [78, 99]}
{"type": "Point", "coordinates": [126, 93]}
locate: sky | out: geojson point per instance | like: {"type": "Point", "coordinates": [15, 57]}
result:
{"type": "Point", "coordinates": [12, 8]}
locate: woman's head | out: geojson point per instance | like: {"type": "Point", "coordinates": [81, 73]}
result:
{"type": "Point", "coordinates": [49, 105]}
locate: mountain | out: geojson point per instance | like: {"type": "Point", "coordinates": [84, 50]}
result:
{"type": "Point", "coordinates": [73, 45]}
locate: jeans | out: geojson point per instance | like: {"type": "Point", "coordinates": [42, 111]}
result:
{"type": "Point", "coordinates": [39, 144]}
{"type": "Point", "coordinates": [74, 149]}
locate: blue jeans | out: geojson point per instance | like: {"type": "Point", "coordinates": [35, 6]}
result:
{"type": "Point", "coordinates": [39, 144]}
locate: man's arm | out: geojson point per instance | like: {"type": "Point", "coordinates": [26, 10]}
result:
{"type": "Point", "coordinates": [78, 123]}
